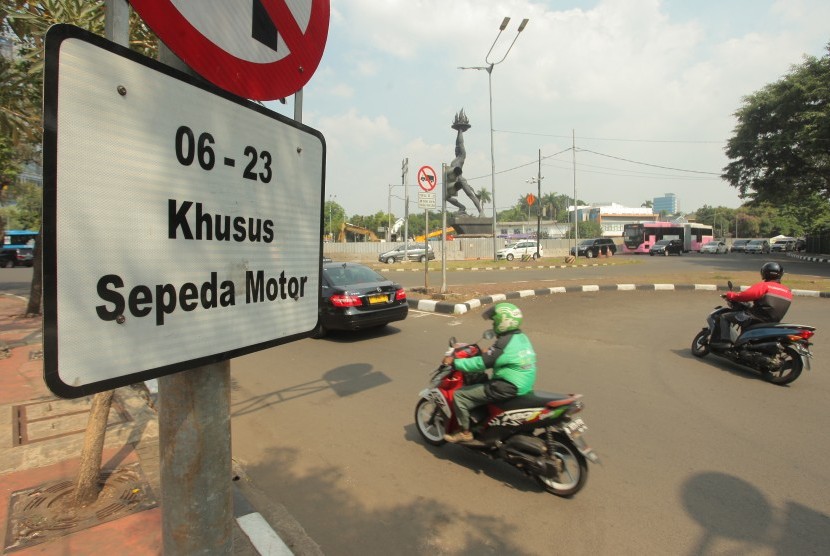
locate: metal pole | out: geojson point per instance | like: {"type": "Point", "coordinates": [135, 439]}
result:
{"type": "Point", "coordinates": [539, 207]}
{"type": "Point", "coordinates": [426, 250]}
{"type": "Point", "coordinates": [389, 213]}
{"type": "Point", "coordinates": [404, 172]}
{"type": "Point", "coordinates": [298, 106]}
{"type": "Point", "coordinates": [492, 160]}
{"type": "Point", "coordinates": [576, 210]}
{"type": "Point", "coordinates": [444, 229]}
{"type": "Point", "coordinates": [195, 449]}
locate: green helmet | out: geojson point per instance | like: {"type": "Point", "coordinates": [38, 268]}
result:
{"type": "Point", "coordinates": [505, 316]}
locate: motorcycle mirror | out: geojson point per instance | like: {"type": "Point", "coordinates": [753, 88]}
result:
{"type": "Point", "coordinates": [729, 285]}
{"type": "Point", "coordinates": [452, 341]}
{"type": "Point", "coordinates": [489, 334]}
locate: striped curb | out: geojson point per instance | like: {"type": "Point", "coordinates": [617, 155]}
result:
{"type": "Point", "coordinates": [447, 307]}
{"type": "Point", "coordinates": [491, 268]}
{"type": "Point", "coordinates": [810, 258]}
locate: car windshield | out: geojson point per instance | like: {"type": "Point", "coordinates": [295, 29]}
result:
{"type": "Point", "coordinates": [587, 242]}
{"type": "Point", "coordinates": [662, 242]}
{"type": "Point", "coordinates": [756, 242]}
{"type": "Point", "coordinates": [344, 275]}
{"type": "Point", "coordinates": [741, 242]}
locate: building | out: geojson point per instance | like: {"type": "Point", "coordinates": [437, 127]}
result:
{"type": "Point", "coordinates": [613, 217]}
{"type": "Point", "coordinates": [667, 203]}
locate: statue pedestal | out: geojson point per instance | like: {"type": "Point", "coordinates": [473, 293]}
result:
{"type": "Point", "coordinates": [471, 225]}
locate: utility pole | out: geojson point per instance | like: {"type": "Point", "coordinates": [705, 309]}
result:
{"type": "Point", "coordinates": [539, 206]}
{"type": "Point", "coordinates": [576, 210]}
{"type": "Point", "coordinates": [404, 173]}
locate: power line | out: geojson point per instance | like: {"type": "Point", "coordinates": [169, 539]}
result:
{"type": "Point", "coordinates": [681, 141]}
{"type": "Point", "coordinates": [648, 164]}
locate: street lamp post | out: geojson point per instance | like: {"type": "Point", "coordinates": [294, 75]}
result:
{"type": "Point", "coordinates": [489, 69]}
{"type": "Point", "coordinates": [538, 181]}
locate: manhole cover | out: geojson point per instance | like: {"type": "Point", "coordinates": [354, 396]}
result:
{"type": "Point", "coordinates": [42, 513]}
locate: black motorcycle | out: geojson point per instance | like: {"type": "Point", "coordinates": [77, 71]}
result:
{"type": "Point", "coordinates": [779, 351]}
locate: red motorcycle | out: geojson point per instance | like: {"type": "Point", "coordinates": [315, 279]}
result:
{"type": "Point", "coordinates": [536, 432]}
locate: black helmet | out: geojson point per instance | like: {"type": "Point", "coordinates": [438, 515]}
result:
{"type": "Point", "coordinates": [772, 271]}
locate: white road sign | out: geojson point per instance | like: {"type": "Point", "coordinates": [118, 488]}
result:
{"type": "Point", "coordinates": [426, 200]}
{"type": "Point", "coordinates": [181, 223]}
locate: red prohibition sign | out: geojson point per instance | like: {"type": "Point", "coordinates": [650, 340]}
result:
{"type": "Point", "coordinates": [426, 178]}
{"type": "Point", "coordinates": [273, 25]}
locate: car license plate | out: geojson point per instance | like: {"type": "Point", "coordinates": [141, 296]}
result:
{"type": "Point", "coordinates": [576, 427]}
{"type": "Point", "coordinates": [378, 298]}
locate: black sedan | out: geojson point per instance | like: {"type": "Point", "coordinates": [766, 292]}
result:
{"type": "Point", "coordinates": [667, 247]}
{"type": "Point", "coordinates": [355, 297]}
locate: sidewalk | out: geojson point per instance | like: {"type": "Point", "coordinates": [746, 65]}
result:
{"type": "Point", "coordinates": [40, 445]}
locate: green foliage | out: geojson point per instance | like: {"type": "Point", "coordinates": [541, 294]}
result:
{"type": "Point", "coordinates": [587, 229]}
{"type": "Point", "coordinates": [780, 149]}
{"type": "Point", "coordinates": [25, 213]}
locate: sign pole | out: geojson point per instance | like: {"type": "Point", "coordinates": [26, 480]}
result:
{"type": "Point", "coordinates": [195, 449]}
{"type": "Point", "coordinates": [444, 228]}
{"type": "Point", "coordinates": [426, 250]}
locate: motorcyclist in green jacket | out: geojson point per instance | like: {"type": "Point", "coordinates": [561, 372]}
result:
{"type": "Point", "coordinates": [514, 368]}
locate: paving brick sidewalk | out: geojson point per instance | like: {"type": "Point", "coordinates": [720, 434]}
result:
{"type": "Point", "coordinates": [40, 445]}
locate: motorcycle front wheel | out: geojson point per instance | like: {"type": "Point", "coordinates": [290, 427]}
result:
{"type": "Point", "coordinates": [789, 370]}
{"type": "Point", "coordinates": [431, 422]}
{"type": "Point", "coordinates": [700, 345]}
{"type": "Point", "coordinates": [571, 466]}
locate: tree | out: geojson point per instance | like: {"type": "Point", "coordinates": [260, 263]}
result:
{"type": "Point", "coordinates": [484, 196]}
{"type": "Point", "coordinates": [334, 215]}
{"type": "Point", "coordinates": [780, 148]}
{"type": "Point", "coordinates": [587, 229]}
{"type": "Point", "coordinates": [647, 204]}
{"type": "Point", "coordinates": [21, 119]}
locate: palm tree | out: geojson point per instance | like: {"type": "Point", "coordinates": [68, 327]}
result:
{"type": "Point", "coordinates": [483, 197]}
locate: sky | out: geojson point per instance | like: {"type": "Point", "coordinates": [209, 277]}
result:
{"type": "Point", "coordinates": [646, 91]}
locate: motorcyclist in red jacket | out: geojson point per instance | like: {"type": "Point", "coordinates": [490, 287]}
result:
{"type": "Point", "coordinates": [770, 302]}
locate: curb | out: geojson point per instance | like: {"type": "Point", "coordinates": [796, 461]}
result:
{"type": "Point", "coordinates": [810, 258]}
{"type": "Point", "coordinates": [447, 307]}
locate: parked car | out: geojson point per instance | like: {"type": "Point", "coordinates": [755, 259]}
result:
{"type": "Point", "coordinates": [594, 247]}
{"type": "Point", "coordinates": [355, 297]}
{"type": "Point", "coordinates": [739, 245]}
{"type": "Point", "coordinates": [787, 244]}
{"type": "Point", "coordinates": [715, 246]}
{"type": "Point", "coordinates": [16, 256]}
{"type": "Point", "coordinates": [667, 247]}
{"type": "Point", "coordinates": [757, 246]}
{"type": "Point", "coordinates": [525, 247]}
{"type": "Point", "coordinates": [417, 252]}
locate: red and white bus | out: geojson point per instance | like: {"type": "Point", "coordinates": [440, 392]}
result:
{"type": "Point", "coordinates": [638, 238]}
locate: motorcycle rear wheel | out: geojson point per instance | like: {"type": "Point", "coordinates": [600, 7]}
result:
{"type": "Point", "coordinates": [430, 421]}
{"type": "Point", "coordinates": [700, 345]}
{"type": "Point", "coordinates": [789, 370]}
{"type": "Point", "coordinates": [574, 469]}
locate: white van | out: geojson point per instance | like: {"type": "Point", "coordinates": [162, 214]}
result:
{"type": "Point", "coordinates": [525, 247]}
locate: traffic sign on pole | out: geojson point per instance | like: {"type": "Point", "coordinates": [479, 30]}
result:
{"type": "Point", "coordinates": [260, 49]}
{"type": "Point", "coordinates": [427, 179]}
{"type": "Point", "coordinates": [197, 200]}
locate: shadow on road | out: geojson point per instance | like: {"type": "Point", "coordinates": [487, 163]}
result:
{"type": "Point", "coordinates": [734, 514]}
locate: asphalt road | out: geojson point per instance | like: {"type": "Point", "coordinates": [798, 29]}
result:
{"type": "Point", "coordinates": [698, 457]}
{"type": "Point", "coordinates": [639, 267]}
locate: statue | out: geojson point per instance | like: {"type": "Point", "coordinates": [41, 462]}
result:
{"type": "Point", "coordinates": [454, 180]}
